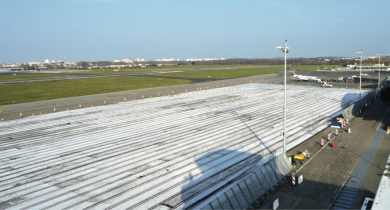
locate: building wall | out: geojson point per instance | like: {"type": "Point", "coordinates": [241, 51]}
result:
{"type": "Point", "coordinates": [11, 69]}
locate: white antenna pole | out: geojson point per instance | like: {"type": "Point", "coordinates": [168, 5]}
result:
{"type": "Point", "coordinates": [285, 99]}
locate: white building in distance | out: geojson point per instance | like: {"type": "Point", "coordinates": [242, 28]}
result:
{"type": "Point", "coordinates": [168, 59]}
{"type": "Point", "coordinates": [205, 59]}
{"type": "Point", "coordinates": [127, 60]}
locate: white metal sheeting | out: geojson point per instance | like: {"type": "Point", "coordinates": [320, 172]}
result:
{"type": "Point", "coordinates": [168, 152]}
{"type": "Point", "coordinates": [382, 200]}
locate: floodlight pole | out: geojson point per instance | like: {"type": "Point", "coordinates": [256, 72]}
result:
{"type": "Point", "coordinates": [285, 99]}
{"type": "Point", "coordinates": [360, 88]}
{"type": "Point", "coordinates": [379, 79]}
{"type": "Point", "coordinates": [285, 50]}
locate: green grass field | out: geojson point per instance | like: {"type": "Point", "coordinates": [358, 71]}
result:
{"type": "Point", "coordinates": [28, 76]}
{"type": "Point", "coordinates": [311, 67]}
{"type": "Point", "coordinates": [226, 74]}
{"type": "Point", "coordinates": [37, 91]}
{"type": "Point", "coordinates": [153, 68]}
{"type": "Point", "coordinates": [173, 68]}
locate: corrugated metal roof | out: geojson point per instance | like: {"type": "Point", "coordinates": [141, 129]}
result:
{"type": "Point", "coordinates": [175, 151]}
{"type": "Point", "coordinates": [382, 194]}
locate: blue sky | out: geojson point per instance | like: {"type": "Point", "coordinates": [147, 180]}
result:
{"type": "Point", "coordinates": [34, 30]}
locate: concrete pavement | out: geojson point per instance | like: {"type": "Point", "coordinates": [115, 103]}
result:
{"type": "Point", "coordinates": [89, 76]}
{"type": "Point", "coordinates": [333, 176]}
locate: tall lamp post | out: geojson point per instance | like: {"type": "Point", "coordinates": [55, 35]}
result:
{"type": "Point", "coordinates": [361, 57]}
{"type": "Point", "coordinates": [379, 77]}
{"type": "Point", "coordinates": [285, 50]}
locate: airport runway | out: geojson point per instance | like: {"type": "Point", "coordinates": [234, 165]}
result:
{"type": "Point", "coordinates": [89, 76]}
{"type": "Point", "coordinates": [340, 177]}
{"type": "Point", "coordinates": [325, 75]}
{"type": "Point", "coordinates": [12, 111]}
{"type": "Point", "coordinates": [50, 79]}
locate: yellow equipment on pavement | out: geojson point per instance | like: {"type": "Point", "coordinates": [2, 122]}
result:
{"type": "Point", "coordinates": [300, 158]}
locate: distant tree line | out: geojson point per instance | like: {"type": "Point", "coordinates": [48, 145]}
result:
{"type": "Point", "coordinates": [233, 61]}
{"type": "Point", "coordinates": [291, 61]}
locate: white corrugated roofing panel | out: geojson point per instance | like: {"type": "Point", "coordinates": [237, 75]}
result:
{"type": "Point", "coordinates": [382, 200]}
{"type": "Point", "coordinates": [173, 151]}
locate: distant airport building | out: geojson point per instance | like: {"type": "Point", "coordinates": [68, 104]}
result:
{"type": "Point", "coordinates": [11, 69]}
{"type": "Point", "coordinates": [127, 60]}
{"type": "Point", "coordinates": [34, 63]}
{"type": "Point", "coordinates": [117, 66]}
{"type": "Point", "coordinates": [369, 67]}
{"type": "Point", "coordinates": [167, 59]}
{"type": "Point", "coordinates": [205, 59]}
{"type": "Point", "coordinates": [94, 67]}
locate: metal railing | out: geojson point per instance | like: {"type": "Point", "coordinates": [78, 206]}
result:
{"type": "Point", "coordinates": [354, 110]}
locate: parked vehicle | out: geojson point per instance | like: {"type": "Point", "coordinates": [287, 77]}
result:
{"type": "Point", "coordinates": [326, 84]}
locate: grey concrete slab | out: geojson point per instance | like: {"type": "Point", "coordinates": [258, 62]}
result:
{"type": "Point", "coordinates": [330, 180]}
{"type": "Point", "coordinates": [87, 76]}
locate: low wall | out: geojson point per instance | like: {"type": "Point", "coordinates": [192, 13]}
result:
{"type": "Point", "coordinates": [253, 186]}
{"type": "Point", "coordinates": [354, 110]}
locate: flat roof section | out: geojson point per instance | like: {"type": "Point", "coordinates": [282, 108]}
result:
{"type": "Point", "coordinates": [166, 152]}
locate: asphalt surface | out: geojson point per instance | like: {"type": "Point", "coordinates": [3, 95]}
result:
{"type": "Point", "coordinates": [332, 176]}
{"type": "Point", "coordinates": [13, 111]}
{"type": "Point", "coordinates": [89, 76]}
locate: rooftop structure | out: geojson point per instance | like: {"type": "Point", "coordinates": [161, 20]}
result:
{"type": "Point", "coordinates": [382, 200]}
{"type": "Point", "coordinates": [177, 151]}
{"type": "Point", "coordinates": [11, 69]}
{"type": "Point", "coordinates": [127, 60]}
